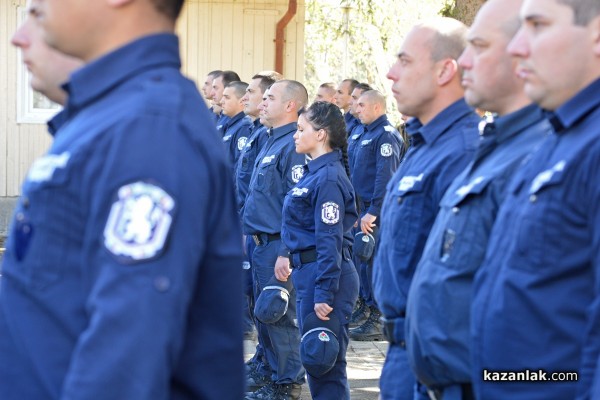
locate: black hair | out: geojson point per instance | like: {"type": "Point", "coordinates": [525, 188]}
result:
{"type": "Point", "coordinates": [328, 116]}
{"type": "Point", "coordinates": [171, 8]}
{"type": "Point", "coordinates": [353, 83]}
{"type": "Point", "coordinates": [363, 87]}
{"type": "Point", "coordinates": [238, 87]}
{"type": "Point", "coordinates": [228, 77]}
{"type": "Point", "coordinates": [265, 81]}
{"type": "Point", "coordinates": [214, 73]}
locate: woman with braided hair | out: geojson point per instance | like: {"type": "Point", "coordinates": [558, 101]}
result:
{"type": "Point", "coordinates": [318, 216]}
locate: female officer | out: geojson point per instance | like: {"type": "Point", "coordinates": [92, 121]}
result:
{"type": "Point", "coordinates": [318, 215]}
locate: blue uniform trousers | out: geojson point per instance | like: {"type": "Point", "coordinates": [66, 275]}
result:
{"type": "Point", "coordinates": [334, 384]}
{"type": "Point", "coordinates": [397, 380]}
{"type": "Point", "coordinates": [366, 268]}
{"type": "Point", "coordinates": [281, 340]}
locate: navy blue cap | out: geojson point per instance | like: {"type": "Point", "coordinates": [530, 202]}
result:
{"type": "Point", "coordinates": [272, 303]}
{"type": "Point", "coordinates": [364, 246]}
{"type": "Point", "coordinates": [319, 346]}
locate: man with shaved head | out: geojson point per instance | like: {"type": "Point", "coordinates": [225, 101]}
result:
{"type": "Point", "coordinates": [237, 129]}
{"type": "Point", "coordinates": [439, 301]}
{"type": "Point", "coordinates": [536, 304]}
{"type": "Point", "coordinates": [326, 92]}
{"type": "Point", "coordinates": [277, 170]}
{"type": "Point", "coordinates": [342, 100]}
{"type": "Point", "coordinates": [376, 158]}
{"type": "Point", "coordinates": [443, 134]}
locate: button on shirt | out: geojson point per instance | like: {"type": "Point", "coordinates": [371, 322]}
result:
{"type": "Point", "coordinates": [536, 297]}
{"type": "Point", "coordinates": [439, 151]}
{"type": "Point", "coordinates": [277, 169]}
{"type": "Point", "coordinates": [319, 213]}
{"type": "Point", "coordinates": [123, 239]}
{"type": "Point", "coordinates": [439, 300]}
{"type": "Point", "coordinates": [246, 160]}
{"type": "Point", "coordinates": [375, 159]}
{"type": "Point", "coordinates": [236, 132]}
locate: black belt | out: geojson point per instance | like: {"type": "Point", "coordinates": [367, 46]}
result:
{"type": "Point", "coordinates": [310, 256]}
{"type": "Point", "coordinates": [264, 238]}
{"type": "Point", "coordinates": [389, 326]}
{"type": "Point", "coordinates": [465, 388]}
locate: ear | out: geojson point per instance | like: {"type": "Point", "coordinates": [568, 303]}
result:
{"type": "Point", "coordinates": [594, 27]}
{"type": "Point", "coordinates": [119, 3]}
{"type": "Point", "coordinates": [447, 70]}
{"type": "Point", "coordinates": [291, 106]}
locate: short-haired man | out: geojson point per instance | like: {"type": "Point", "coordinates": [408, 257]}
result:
{"type": "Point", "coordinates": [439, 301]}
{"type": "Point", "coordinates": [342, 100]}
{"type": "Point", "coordinates": [221, 80]}
{"type": "Point", "coordinates": [443, 134]}
{"type": "Point", "coordinates": [326, 92]}
{"type": "Point", "coordinates": [207, 90]}
{"type": "Point", "coordinates": [375, 159]}
{"type": "Point", "coordinates": [277, 169]}
{"type": "Point", "coordinates": [536, 304]}
{"type": "Point", "coordinates": [117, 251]}
{"type": "Point", "coordinates": [237, 129]}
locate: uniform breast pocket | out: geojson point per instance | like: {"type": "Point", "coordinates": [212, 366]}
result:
{"type": "Point", "coordinates": [411, 206]}
{"type": "Point", "coordinates": [265, 174]}
{"type": "Point", "coordinates": [301, 210]}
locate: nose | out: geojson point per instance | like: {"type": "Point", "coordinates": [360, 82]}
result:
{"type": "Point", "coordinates": [518, 46]}
{"type": "Point", "coordinates": [465, 59]}
{"type": "Point", "coordinates": [19, 38]}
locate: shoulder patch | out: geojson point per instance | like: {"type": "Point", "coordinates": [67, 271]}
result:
{"type": "Point", "coordinates": [297, 173]}
{"type": "Point", "coordinates": [139, 222]}
{"type": "Point", "coordinates": [241, 142]}
{"type": "Point", "coordinates": [389, 128]}
{"type": "Point", "coordinates": [386, 150]}
{"type": "Point", "coordinates": [330, 213]}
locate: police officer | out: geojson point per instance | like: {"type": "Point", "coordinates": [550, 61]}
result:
{"type": "Point", "coordinates": [318, 215]}
{"type": "Point", "coordinates": [207, 90]}
{"type": "Point", "coordinates": [237, 129]}
{"type": "Point", "coordinates": [218, 86]}
{"type": "Point", "coordinates": [375, 159]}
{"type": "Point", "coordinates": [536, 305]}
{"type": "Point", "coordinates": [326, 92]}
{"type": "Point", "coordinates": [277, 169]}
{"type": "Point", "coordinates": [443, 135]}
{"type": "Point", "coordinates": [342, 98]}
{"type": "Point", "coordinates": [439, 300]}
{"type": "Point", "coordinates": [117, 251]}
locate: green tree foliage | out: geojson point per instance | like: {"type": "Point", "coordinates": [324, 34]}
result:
{"type": "Point", "coordinates": [359, 39]}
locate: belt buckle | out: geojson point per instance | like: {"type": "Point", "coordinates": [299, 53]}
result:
{"type": "Point", "coordinates": [256, 239]}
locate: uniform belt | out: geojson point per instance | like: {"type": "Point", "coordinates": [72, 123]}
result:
{"type": "Point", "coordinates": [459, 391]}
{"type": "Point", "coordinates": [389, 328]}
{"type": "Point", "coordinates": [303, 257]}
{"type": "Point", "coordinates": [264, 238]}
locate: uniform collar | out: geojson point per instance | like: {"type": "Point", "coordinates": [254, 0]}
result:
{"type": "Point", "coordinates": [56, 122]}
{"type": "Point", "coordinates": [284, 130]}
{"type": "Point", "coordinates": [256, 124]}
{"type": "Point", "coordinates": [110, 70]}
{"type": "Point", "coordinates": [239, 116]}
{"type": "Point", "coordinates": [509, 125]}
{"type": "Point", "coordinates": [377, 123]}
{"type": "Point", "coordinates": [349, 118]}
{"type": "Point", "coordinates": [575, 109]}
{"type": "Point", "coordinates": [320, 161]}
{"type": "Point", "coordinates": [444, 120]}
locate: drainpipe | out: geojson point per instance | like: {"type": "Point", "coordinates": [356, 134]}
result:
{"type": "Point", "coordinates": [280, 33]}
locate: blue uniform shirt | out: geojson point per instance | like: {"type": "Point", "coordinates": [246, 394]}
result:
{"type": "Point", "coordinates": [353, 141]}
{"type": "Point", "coordinates": [246, 160]}
{"type": "Point", "coordinates": [439, 300]}
{"type": "Point", "coordinates": [118, 253]}
{"type": "Point", "coordinates": [277, 169]}
{"type": "Point", "coordinates": [222, 121]}
{"type": "Point", "coordinates": [351, 122]}
{"type": "Point", "coordinates": [536, 297]}
{"type": "Point", "coordinates": [375, 159]}
{"type": "Point", "coordinates": [440, 150]}
{"type": "Point", "coordinates": [236, 132]}
{"type": "Point", "coordinates": [319, 213]}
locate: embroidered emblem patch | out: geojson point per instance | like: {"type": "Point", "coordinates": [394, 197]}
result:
{"type": "Point", "coordinates": [386, 150]}
{"type": "Point", "coordinates": [544, 177]}
{"type": "Point", "coordinates": [226, 138]}
{"type": "Point", "coordinates": [241, 142]}
{"type": "Point", "coordinates": [407, 182]}
{"type": "Point", "coordinates": [138, 222]}
{"type": "Point", "coordinates": [297, 172]}
{"type": "Point", "coordinates": [464, 190]}
{"type": "Point", "coordinates": [330, 213]}
{"type": "Point", "coordinates": [43, 169]}
{"type": "Point", "coordinates": [365, 142]}
{"type": "Point", "coordinates": [299, 191]}
{"type": "Point", "coordinates": [323, 337]}
{"type": "Point", "coordinates": [267, 159]}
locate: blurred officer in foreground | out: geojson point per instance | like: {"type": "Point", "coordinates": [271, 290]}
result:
{"type": "Point", "coordinates": [536, 300]}
{"type": "Point", "coordinates": [375, 159]}
{"type": "Point", "coordinates": [318, 215]}
{"type": "Point", "coordinates": [237, 129]}
{"type": "Point", "coordinates": [117, 251]}
{"type": "Point", "coordinates": [277, 169]}
{"type": "Point", "coordinates": [326, 92]}
{"type": "Point", "coordinates": [443, 135]}
{"type": "Point", "coordinates": [439, 300]}
{"type": "Point", "coordinates": [221, 80]}
{"type": "Point", "coordinates": [342, 100]}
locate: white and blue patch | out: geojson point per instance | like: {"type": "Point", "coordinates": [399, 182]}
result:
{"type": "Point", "coordinates": [139, 222]}
{"type": "Point", "coordinates": [544, 177]}
{"type": "Point", "coordinates": [267, 159]}
{"type": "Point", "coordinates": [365, 142]}
{"type": "Point", "coordinates": [43, 169]}
{"type": "Point", "coordinates": [330, 213]}
{"type": "Point", "coordinates": [297, 192]}
{"type": "Point", "coordinates": [227, 138]}
{"type": "Point", "coordinates": [407, 182]}
{"type": "Point", "coordinates": [249, 144]}
{"type": "Point", "coordinates": [386, 150]}
{"type": "Point", "coordinates": [297, 172]}
{"type": "Point", "coordinates": [241, 142]}
{"type": "Point", "coordinates": [464, 190]}
{"type": "Point", "coordinates": [389, 128]}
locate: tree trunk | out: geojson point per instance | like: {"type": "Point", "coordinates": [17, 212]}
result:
{"type": "Point", "coordinates": [465, 10]}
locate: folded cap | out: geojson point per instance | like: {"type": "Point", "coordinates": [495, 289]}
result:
{"type": "Point", "coordinates": [319, 346]}
{"type": "Point", "coordinates": [364, 245]}
{"type": "Point", "coordinates": [272, 303]}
